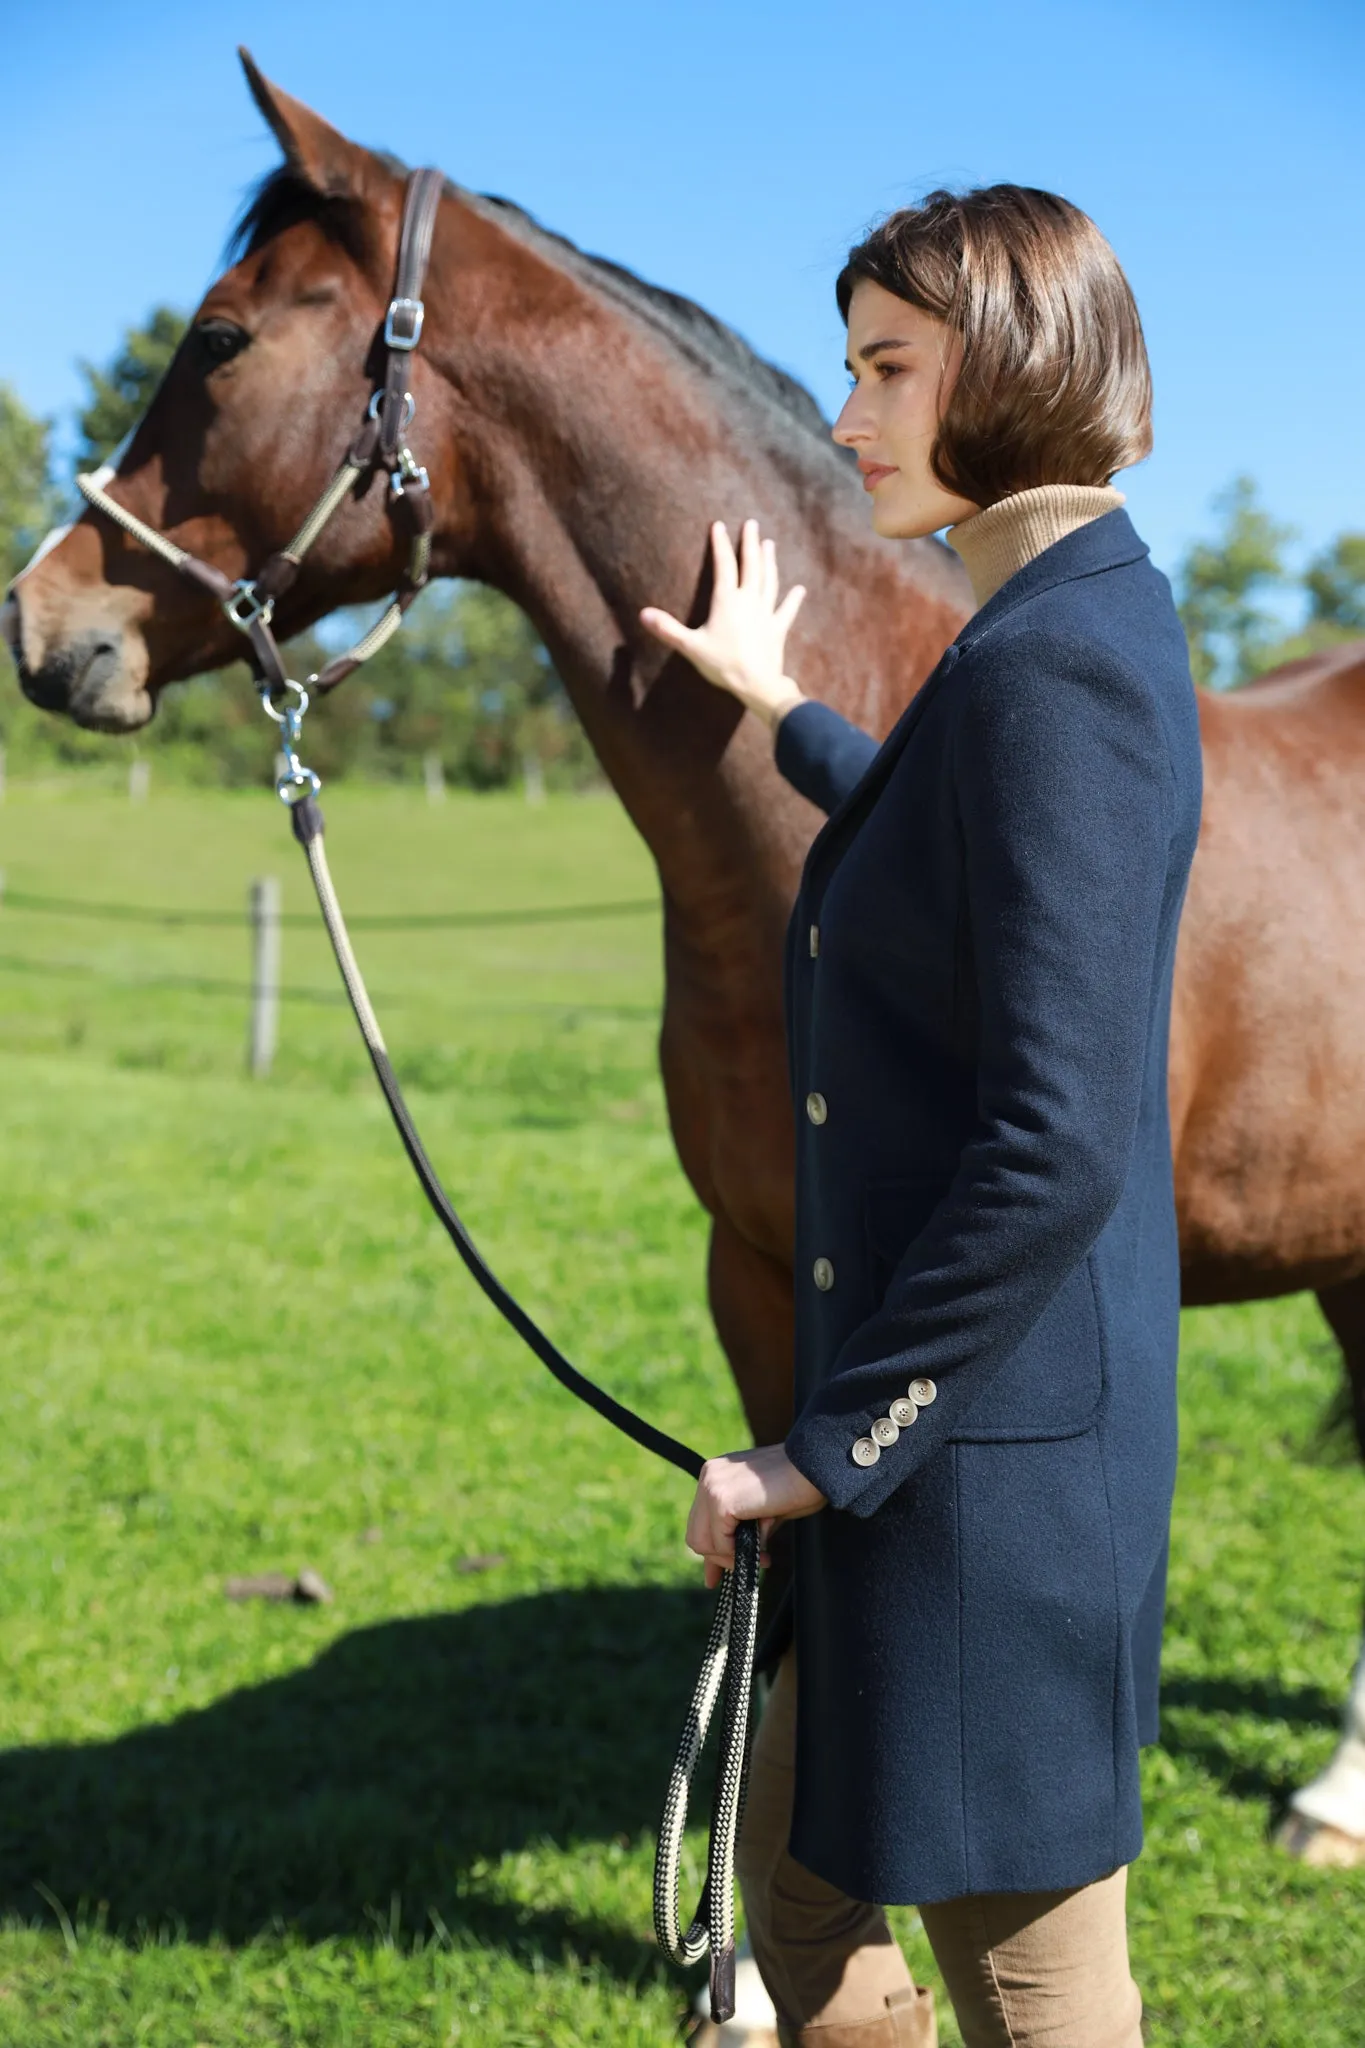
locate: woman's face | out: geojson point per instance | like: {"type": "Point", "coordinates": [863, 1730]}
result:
{"type": "Point", "coordinates": [903, 363]}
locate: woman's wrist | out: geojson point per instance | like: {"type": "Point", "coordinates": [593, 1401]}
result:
{"type": "Point", "coordinates": [774, 708]}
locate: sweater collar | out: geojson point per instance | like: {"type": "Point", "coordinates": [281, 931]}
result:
{"type": "Point", "coordinates": [995, 544]}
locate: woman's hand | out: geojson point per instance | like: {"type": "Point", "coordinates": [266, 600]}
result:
{"type": "Point", "coordinates": [746, 1486]}
{"type": "Point", "coordinates": [741, 645]}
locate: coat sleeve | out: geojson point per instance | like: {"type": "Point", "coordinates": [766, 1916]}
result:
{"type": "Point", "coordinates": [821, 754]}
{"type": "Point", "coordinates": [1065, 796]}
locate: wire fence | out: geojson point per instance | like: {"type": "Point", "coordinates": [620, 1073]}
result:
{"type": "Point", "coordinates": [414, 921]}
{"type": "Point", "coordinates": [263, 920]}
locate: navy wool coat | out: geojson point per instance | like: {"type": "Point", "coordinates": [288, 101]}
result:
{"type": "Point", "coordinates": [978, 986]}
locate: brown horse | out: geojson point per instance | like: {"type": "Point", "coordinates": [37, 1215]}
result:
{"type": "Point", "coordinates": [581, 429]}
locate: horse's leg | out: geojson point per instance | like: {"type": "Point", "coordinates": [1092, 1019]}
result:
{"type": "Point", "coordinates": [1326, 1822]}
{"type": "Point", "coordinates": [752, 1306]}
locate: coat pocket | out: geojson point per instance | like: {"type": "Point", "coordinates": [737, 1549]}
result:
{"type": "Point", "coordinates": [1051, 1384]}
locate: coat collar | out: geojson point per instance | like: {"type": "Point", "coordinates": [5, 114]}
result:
{"type": "Point", "coordinates": [1110, 542]}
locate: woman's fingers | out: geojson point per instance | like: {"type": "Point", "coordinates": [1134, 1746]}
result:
{"type": "Point", "coordinates": [770, 583]}
{"type": "Point", "coordinates": [750, 557]}
{"type": "Point", "coordinates": [665, 627]}
{"type": "Point", "coordinates": [723, 556]}
{"type": "Point", "coordinates": [790, 606]}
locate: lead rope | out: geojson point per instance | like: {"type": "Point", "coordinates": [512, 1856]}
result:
{"type": "Point", "coordinates": [727, 1670]}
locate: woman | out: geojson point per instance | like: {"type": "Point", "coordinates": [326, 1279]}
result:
{"type": "Point", "coordinates": [978, 983]}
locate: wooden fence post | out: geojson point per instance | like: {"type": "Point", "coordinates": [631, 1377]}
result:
{"type": "Point", "coordinates": [265, 974]}
{"type": "Point", "coordinates": [434, 775]}
{"type": "Point", "coordinates": [139, 779]}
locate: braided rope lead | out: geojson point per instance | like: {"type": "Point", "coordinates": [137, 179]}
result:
{"type": "Point", "coordinates": [728, 1661]}
{"type": "Point", "coordinates": [727, 1671]}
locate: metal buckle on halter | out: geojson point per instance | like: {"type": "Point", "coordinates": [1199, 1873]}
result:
{"type": "Point", "coordinates": [246, 607]}
{"type": "Point", "coordinates": [409, 312]}
{"type": "Point", "coordinates": [409, 408]}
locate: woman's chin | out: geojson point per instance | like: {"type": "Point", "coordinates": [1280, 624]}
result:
{"type": "Point", "coordinates": [894, 522]}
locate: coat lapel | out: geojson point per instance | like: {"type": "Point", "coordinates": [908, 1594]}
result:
{"type": "Point", "coordinates": [1106, 543]}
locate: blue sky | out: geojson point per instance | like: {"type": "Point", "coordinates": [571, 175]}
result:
{"type": "Point", "coordinates": [732, 153]}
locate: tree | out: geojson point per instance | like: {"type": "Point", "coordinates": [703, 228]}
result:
{"type": "Point", "coordinates": [1335, 582]}
{"type": "Point", "coordinates": [1220, 584]}
{"type": "Point", "coordinates": [469, 681]}
{"type": "Point", "coordinates": [121, 394]}
{"type": "Point", "coordinates": [28, 496]}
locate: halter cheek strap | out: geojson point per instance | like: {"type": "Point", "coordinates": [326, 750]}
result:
{"type": "Point", "coordinates": [380, 444]}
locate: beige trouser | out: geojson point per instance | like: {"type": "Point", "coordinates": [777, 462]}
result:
{"type": "Point", "coordinates": [1023, 1969]}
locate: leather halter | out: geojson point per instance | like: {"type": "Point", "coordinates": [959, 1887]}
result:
{"type": "Point", "coordinates": [249, 603]}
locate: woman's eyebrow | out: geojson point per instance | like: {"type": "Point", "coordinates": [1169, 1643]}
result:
{"type": "Point", "coordinates": [873, 348]}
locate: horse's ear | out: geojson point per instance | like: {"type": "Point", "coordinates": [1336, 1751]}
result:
{"type": "Point", "coordinates": [315, 152]}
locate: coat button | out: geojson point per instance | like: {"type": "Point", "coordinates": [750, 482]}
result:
{"type": "Point", "coordinates": [866, 1451]}
{"type": "Point", "coordinates": [815, 942]}
{"type": "Point", "coordinates": [884, 1431]}
{"type": "Point", "coordinates": [923, 1393]}
{"type": "Point", "coordinates": [903, 1413]}
{"type": "Point", "coordinates": [817, 1109]}
{"type": "Point", "coordinates": [822, 1272]}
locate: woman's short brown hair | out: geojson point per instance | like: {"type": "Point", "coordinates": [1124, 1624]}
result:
{"type": "Point", "coordinates": [1054, 385]}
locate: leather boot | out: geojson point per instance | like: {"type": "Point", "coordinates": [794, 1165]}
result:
{"type": "Point", "coordinates": [908, 2022]}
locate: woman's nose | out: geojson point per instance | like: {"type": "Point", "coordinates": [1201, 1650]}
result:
{"type": "Point", "coordinates": [851, 425]}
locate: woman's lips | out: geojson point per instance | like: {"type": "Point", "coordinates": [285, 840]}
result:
{"type": "Point", "coordinates": [874, 473]}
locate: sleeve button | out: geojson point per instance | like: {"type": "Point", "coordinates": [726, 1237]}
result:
{"type": "Point", "coordinates": [903, 1412]}
{"type": "Point", "coordinates": [822, 1272]}
{"type": "Point", "coordinates": [866, 1451]}
{"type": "Point", "coordinates": [817, 1109]}
{"type": "Point", "coordinates": [923, 1393]}
{"type": "Point", "coordinates": [884, 1431]}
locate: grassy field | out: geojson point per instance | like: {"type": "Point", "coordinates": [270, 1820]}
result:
{"type": "Point", "coordinates": [234, 1342]}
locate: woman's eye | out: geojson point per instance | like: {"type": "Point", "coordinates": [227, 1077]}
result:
{"type": "Point", "coordinates": [220, 340]}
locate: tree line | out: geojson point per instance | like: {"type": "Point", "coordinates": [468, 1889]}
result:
{"type": "Point", "coordinates": [468, 684]}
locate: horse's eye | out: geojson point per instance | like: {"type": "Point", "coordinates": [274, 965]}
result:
{"type": "Point", "coordinates": [220, 340]}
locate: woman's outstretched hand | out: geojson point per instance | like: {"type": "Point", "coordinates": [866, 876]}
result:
{"type": "Point", "coordinates": [746, 1486]}
{"type": "Point", "coordinates": [740, 647]}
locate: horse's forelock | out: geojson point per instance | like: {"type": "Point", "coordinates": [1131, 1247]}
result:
{"type": "Point", "coordinates": [283, 199]}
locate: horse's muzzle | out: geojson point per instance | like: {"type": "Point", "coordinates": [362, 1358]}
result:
{"type": "Point", "coordinates": [82, 678]}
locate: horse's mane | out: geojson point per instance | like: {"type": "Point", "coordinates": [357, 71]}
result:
{"type": "Point", "coordinates": [283, 198]}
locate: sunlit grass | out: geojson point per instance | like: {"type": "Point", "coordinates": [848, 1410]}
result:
{"type": "Point", "coordinates": [234, 1342]}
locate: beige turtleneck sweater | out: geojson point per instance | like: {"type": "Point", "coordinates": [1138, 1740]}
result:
{"type": "Point", "coordinates": [996, 543]}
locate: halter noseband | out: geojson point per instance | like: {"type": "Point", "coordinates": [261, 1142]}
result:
{"type": "Point", "coordinates": [249, 603]}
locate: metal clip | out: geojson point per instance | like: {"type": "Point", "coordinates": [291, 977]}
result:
{"type": "Point", "coordinates": [297, 780]}
{"type": "Point", "coordinates": [409, 312]}
{"type": "Point", "coordinates": [409, 475]}
{"type": "Point", "coordinates": [246, 607]}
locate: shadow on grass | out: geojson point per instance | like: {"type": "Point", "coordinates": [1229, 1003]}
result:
{"type": "Point", "coordinates": [1217, 1748]}
{"type": "Point", "coordinates": [389, 1770]}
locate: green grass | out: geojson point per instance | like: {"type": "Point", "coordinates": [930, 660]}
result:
{"type": "Point", "coordinates": [235, 1342]}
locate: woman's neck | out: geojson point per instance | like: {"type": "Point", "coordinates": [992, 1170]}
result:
{"type": "Point", "coordinates": [995, 544]}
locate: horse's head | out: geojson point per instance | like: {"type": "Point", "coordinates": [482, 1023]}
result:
{"type": "Point", "coordinates": [265, 392]}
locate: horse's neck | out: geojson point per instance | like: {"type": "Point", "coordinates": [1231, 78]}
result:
{"type": "Point", "coordinates": [611, 466]}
